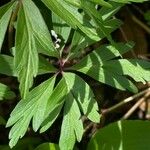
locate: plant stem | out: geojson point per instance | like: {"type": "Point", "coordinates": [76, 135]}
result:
{"type": "Point", "coordinates": [129, 99]}
{"type": "Point", "coordinates": [141, 24]}
{"type": "Point", "coordinates": [127, 115]}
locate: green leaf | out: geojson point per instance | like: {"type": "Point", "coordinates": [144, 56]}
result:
{"type": "Point", "coordinates": [51, 118]}
{"type": "Point", "coordinates": [128, 1]}
{"type": "Point", "coordinates": [62, 9]}
{"type": "Point", "coordinates": [5, 92]}
{"type": "Point", "coordinates": [77, 39]}
{"type": "Point", "coordinates": [108, 13]}
{"type": "Point", "coordinates": [5, 14]}
{"type": "Point", "coordinates": [72, 17]}
{"type": "Point", "coordinates": [103, 28]}
{"type": "Point", "coordinates": [33, 106]}
{"type": "Point", "coordinates": [30, 29]}
{"type": "Point", "coordinates": [107, 77]}
{"type": "Point", "coordinates": [27, 143]}
{"type": "Point", "coordinates": [38, 28]}
{"type": "Point", "coordinates": [90, 9]}
{"type": "Point", "coordinates": [76, 3]}
{"type": "Point", "coordinates": [6, 65]}
{"type": "Point", "coordinates": [24, 144]}
{"type": "Point", "coordinates": [102, 54]}
{"type": "Point", "coordinates": [54, 105]}
{"type": "Point", "coordinates": [82, 93]}
{"type": "Point", "coordinates": [78, 43]}
{"type": "Point", "coordinates": [102, 3]}
{"type": "Point", "coordinates": [135, 68]}
{"type": "Point", "coordinates": [60, 27]}
{"type": "Point", "coordinates": [79, 96]}
{"type": "Point", "coordinates": [47, 146]}
{"type": "Point", "coordinates": [39, 104]}
{"type": "Point", "coordinates": [45, 66]}
{"type": "Point", "coordinates": [72, 126]}
{"type": "Point", "coordinates": [92, 65]}
{"type": "Point", "coordinates": [129, 135]}
{"type": "Point", "coordinates": [25, 48]}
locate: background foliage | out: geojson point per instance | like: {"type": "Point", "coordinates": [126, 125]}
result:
{"type": "Point", "coordinates": [53, 55]}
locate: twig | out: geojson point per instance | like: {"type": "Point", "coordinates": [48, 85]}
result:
{"type": "Point", "coordinates": [129, 99]}
{"type": "Point", "coordinates": [137, 104]}
{"type": "Point", "coordinates": [140, 23]}
{"type": "Point", "coordinates": [88, 127]}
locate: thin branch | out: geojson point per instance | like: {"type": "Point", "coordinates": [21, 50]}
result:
{"type": "Point", "coordinates": [141, 24]}
{"type": "Point", "coordinates": [125, 101]}
{"type": "Point", "coordinates": [137, 104]}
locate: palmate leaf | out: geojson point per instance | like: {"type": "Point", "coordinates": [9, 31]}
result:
{"type": "Point", "coordinates": [30, 28]}
{"type": "Point", "coordinates": [69, 13]}
{"type": "Point", "coordinates": [72, 127]}
{"type": "Point", "coordinates": [103, 27]}
{"type": "Point", "coordinates": [135, 68]}
{"type": "Point", "coordinates": [5, 92]}
{"type": "Point", "coordinates": [92, 65]}
{"type": "Point", "coordinates": [102, 54]}
{"type": "Point", "coordinates": [26, 55]}
{"type": "Point", "coordinates": [79, 96]}
{"type": "Point", "coordinates": [54, 105]}
{"type": "Point", "coordinates": [39, 29]}
{"type": "Point", "coordinates": [5, 14]}
{"type": "Point", "coordinates": [79, 41]}
{"type": "Point", "coordinates": [82, 93]}
{"type": "Point", "coordinates": [40, 102]}
{"type": "Point", "coordinates": [72, 17]}
{"type": "Point", "coordinates": [27, 108]}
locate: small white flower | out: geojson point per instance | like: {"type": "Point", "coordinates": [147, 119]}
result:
{"type": "Point", "coordinates": [53, 33]}
{"type": "Point", "coordinates": [57, 40]}
{"type": "Point", "coordinates": [57, 45]}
